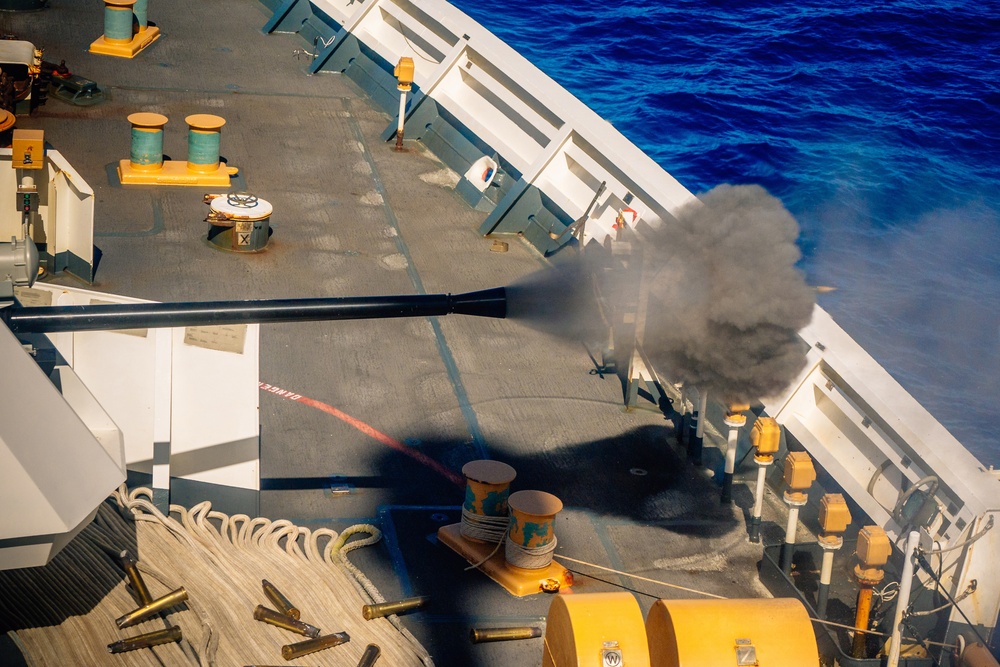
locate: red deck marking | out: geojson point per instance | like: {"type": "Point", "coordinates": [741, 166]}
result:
{"type": "Point", "coordinates": [367, 430]}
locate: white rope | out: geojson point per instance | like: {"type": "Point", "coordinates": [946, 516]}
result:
{"type": "Point", "coordinates": [481, 527]}
{"type": "Point", "coordinates": [639, 578]}
{"type": "Point", "coordinates": [529, 558]}
{"type": "Point", "coordinates": [490, 554]}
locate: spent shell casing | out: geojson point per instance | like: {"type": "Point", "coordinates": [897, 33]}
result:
{"type": "Point", "coordinates": [156, 606]}
{"type": "Point", "coordinates": [271, 617]}
{"type": "Point", "coordinates": [478, 635]}
{"type": "Point", "coordinates": [292, 651]}
{"type": "Point", "coordinates": [370, 656]}
{"type": "Point", "coordinates": [279, 600]}
{"type": "Point", "coordinates": [370, 611]}
{"type": "Point", "coordinates": [171, 634]}
{"type": "Point", "coordinates": [135, 578]}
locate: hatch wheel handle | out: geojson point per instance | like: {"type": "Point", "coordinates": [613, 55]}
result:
{"type": "Point", "coordinates": [242, 200]}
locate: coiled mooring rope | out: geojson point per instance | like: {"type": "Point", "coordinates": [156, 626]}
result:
{"type": "Point", "coordinates": [486, 528]}
{"type": "Point", "coordinates": [529, 558]}
{"type": "Point", "coordinates": [64, 612]}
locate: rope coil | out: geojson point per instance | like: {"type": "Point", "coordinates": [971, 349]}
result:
{"type": "Point", "coordinates": [481, 527]}
{"type": "Point", "coordinates": [529, 558]}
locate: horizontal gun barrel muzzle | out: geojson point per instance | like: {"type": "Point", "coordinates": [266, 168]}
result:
{"type": "Point", "coordinates": [483, 303]}
{"type": "Point", "coordinates": [480, 635]}
{"type": "Point", "coordinates": [372, 611]}
{"type": "Point", "coordinates": [104, 317]}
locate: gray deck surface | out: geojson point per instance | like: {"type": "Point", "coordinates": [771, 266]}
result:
{"type": "Point", "coordinates": [354, 217]}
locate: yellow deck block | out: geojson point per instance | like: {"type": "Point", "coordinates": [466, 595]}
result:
{"type": "Point", "coordinates": [598, 630]}
{"type": "Point", "coordinates": [773, 632]}
{"type": "Point", "coordinates": [175, 172]}
{"type": "Point", "coordinates": [517, 581]}
{"type": "Point", "coordinates": [126, 49]}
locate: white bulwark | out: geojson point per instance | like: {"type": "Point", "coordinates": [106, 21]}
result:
{"type": "Point", "coordinates": [885, 449]}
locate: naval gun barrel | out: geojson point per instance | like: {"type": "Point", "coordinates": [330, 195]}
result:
{"type": "Point", "coordinates": [54, 319]}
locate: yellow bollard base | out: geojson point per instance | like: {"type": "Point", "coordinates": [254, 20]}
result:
{"type": "Point", "coordinates": [517, 581]}
{"type": "Point", "coordinates": [126, 49]}
{"type": "Point", "coordinates": [175, 172]}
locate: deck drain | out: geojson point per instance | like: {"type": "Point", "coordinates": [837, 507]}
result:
{"type": "Point", "coordinates": [638, 472]}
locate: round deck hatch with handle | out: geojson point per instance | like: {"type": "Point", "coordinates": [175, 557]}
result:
{"type": "Point", "coordinates": [239, 222]}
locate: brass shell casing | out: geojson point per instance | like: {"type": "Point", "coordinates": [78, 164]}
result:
{"type": "Point", "coordinates": [479, 635]}
{"type": "Point", "coordinates": [172, 634]}
{"type": "Point", "coordinates": [271, 617]}
{"type": "Point", "coordinates": [139, 615]}
{"type": "Point", "coordinates": [292, 651]}
{"type": "Point", "coordinates": [370, 611]}
{"type": "Point", "coordinates": [135, 578]}
{"type": "Point", "coordinates": [370, 656]}
{"type": "Point", "coordinates": [280, 601]}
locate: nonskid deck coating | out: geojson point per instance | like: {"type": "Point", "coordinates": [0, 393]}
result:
{"type": "Point", "coordinates": [354, 217]}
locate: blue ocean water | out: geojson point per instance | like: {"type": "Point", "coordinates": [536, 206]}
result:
{"type": "Point", "coordinates": [877, 123]}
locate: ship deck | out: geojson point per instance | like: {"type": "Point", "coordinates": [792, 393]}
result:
{"type": "Point", "coordinates": [355, 217]}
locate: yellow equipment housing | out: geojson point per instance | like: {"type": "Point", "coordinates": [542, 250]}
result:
{"type": "Point", "coordinates": [799, 471]}
{"type": "Point", "coordinates": [404, 72]}
{"type": "Point", "coordinates": [765, 436]}
{"type": "Point", "coordinates": [834, 515]}
{"type": "Point", "coordinates": [760, 632]}
{"type": "Point", "coordinates": [873, 549]}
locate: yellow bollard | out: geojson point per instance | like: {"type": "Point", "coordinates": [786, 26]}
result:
{"type": "Point", "coordinates": [203, 168]}
{"type": "Point", "coordinates": [532, 514]}
{"type": "Point", "coordinates": [487, 488]}
{"type": "Point", "coordinates": [532, 538]}
{"type": "Point", "coordinates": [204, 141]}
{"type": "Point", "coordinates": [146, 152]}
{"type": "Point", "coordinates": [119, 38]}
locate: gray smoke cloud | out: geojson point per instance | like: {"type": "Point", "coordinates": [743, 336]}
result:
{"type": "Point", "coordinates": [561, 301]}
{"type": "Point", "coordinates": [725, 298]}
